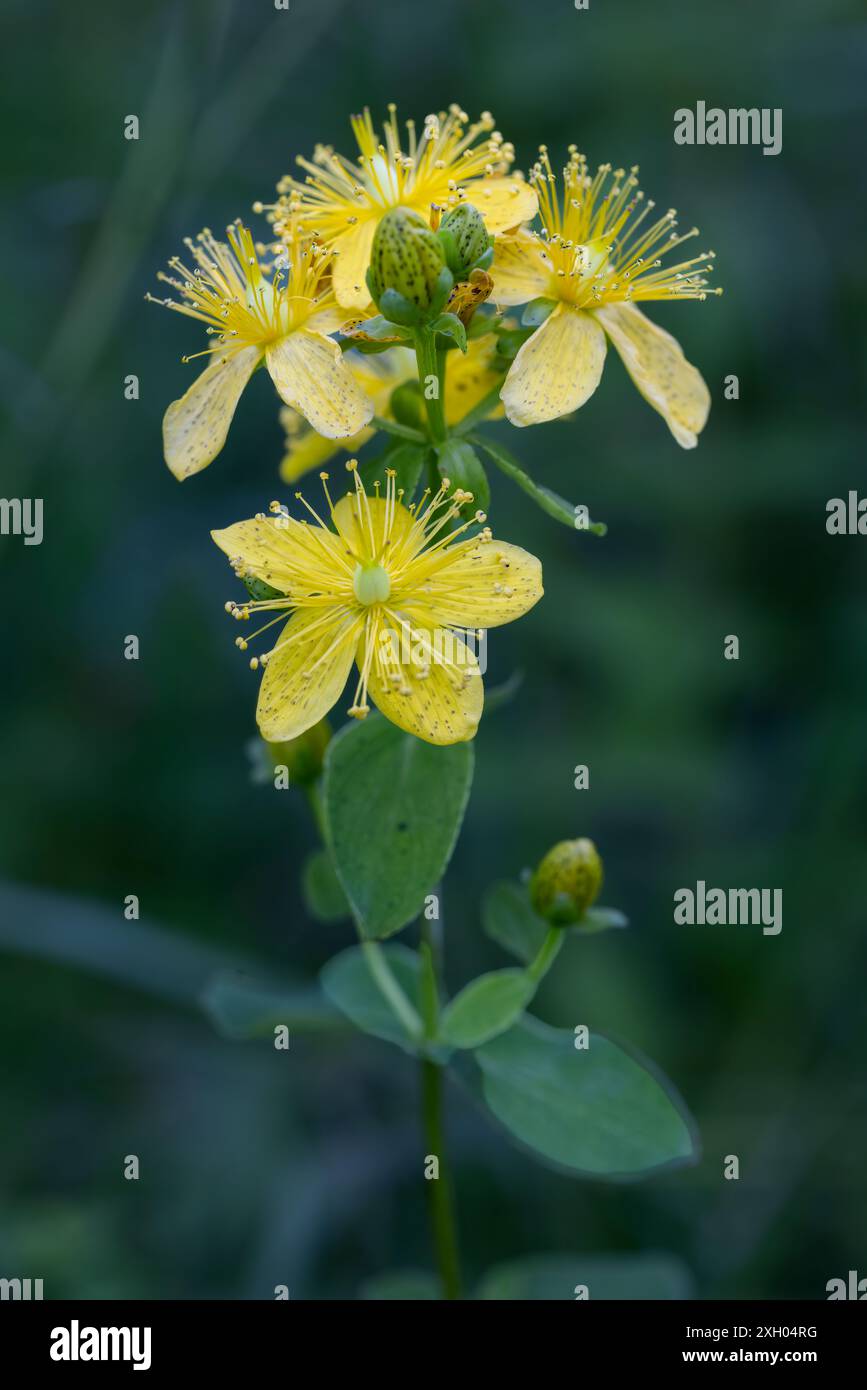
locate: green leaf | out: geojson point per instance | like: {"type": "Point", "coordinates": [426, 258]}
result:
{"type": "Point", "coordinates": [405, 1285]}
{"type": "Point", "coordinates": [407, 461]}
{"type": "Point", "coordinates": [508, 918]}
{"type": "Point", "coordinates": [485, 1007]}
{"type": "Point", "coordinates": [549, 501]}
{"type": "Point", "coordinates": [597, 1110]}
{"type": "Point", "coordinates": [600, 919]}
{"type": "Point", "coordinates": [393, 809]}
{"type": "Point", "coordinates": [556, 1277]}
{"type": "Point", "coordinates": [458, 461]}
{"type": "Point", "coordinates": [348, 983]}
{"type": "Point", "coordinates": [242, 1007]}
{"type": "Point", "coordinates": [451, 327]}
{"type": "Point", "coordinates": [324, 898]}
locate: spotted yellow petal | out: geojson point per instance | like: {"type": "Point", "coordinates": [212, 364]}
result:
{"type": "Point", "coordinates": [655, 361]}
{"type": "Point", "coordinates": [556, 370]}
{"type": "Point", "coordinates": [285, 553]}
{"type": "Point", "coordinates": [482, 584]}
{"type": "Point", "coordinates": [350, 264]}
{"type": "Point", "coordinates": [195, 427]}
{"type": "Point", "coordinates": [306, 672]}
{"type": "Point", "coordinates": [425, 681]}
{"type": "Point", "coordinates": [504, 202]}
{"type": "Point", "coordinates": [310, 374]}
{"type": "Point", "coordinates": [521, 270]}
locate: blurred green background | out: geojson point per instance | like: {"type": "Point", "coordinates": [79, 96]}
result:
{"type": "Point", "coordinates": [261, 1167]}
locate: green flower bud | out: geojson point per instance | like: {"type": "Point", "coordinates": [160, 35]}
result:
{"type": "Point", "coordinates": [407, 259]}
{"type": "Point", "coordinates": [466, 240]}
{"type": "Point", "coordinates": [407, 405]}
{"type": "Point", "coordinates": [567, 882]}
{"type": "Point", "coordinates": [302, 756]}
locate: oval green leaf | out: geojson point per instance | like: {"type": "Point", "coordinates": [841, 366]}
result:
{"type": "Point", "coordinates": [348, 983]}
{"type": "Point", "coordinates": [508, 918]}
{"type": "Point", "coordinates": [486, 1008]}
{"type": "Point", "coordinates": [596, 1110]}
{"type": "Point", "coordinates": [393, 809]}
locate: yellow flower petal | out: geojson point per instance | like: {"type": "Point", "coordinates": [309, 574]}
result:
{"type": "Point", "coordinates": [306, 673]}
{"type": "Point", "coordinates": [485, 584]}
{"type": "Point", "coordinates": [556, 370]}
{"type": "Point", "coordinates": [310, 450]}
{"type": "Point", "coordinates": [655, 361]}
{"type": "Point", "coordinates": [442, 706]}
{"type": "Point", "coordinates": [350, 264]}
{"type": "Point", "coordinates": [504, 202]}
{"type": "Point", "coordinates": [195, 427]}
{"type": "Point", "coordinates": [470, 377]}
{"type": "Point", "coordinates": [521, 270]}
{"type": "Point", "coordinates": [290, 556]}
{"type": "Point", "coordinates": [362, 526]}
{"type": "Point", "coordinates": [311, 376]}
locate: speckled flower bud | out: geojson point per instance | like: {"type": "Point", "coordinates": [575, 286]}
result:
{"type": "Point", "coordinates": [466, 240]}
{"type": "Point", "coordinates": [407, 257]}
{"type": "Point", "coordinates": [567, 882]}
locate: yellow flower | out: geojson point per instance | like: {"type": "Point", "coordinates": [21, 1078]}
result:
{"type": "Point", "coordinates": [598, 253]}
{"type": "Point", "coordinates": [469, 378]}
{"type": "Point", "coordinates": [342, 200]}
{"type": "Point", "coordinates": [388, 587]}
{"type": "Point", "coordinates": [281, 317]}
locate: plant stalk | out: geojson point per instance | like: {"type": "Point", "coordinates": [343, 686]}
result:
{"type": "Point", "coordinates": [440, 1198]}
{"type": "Point", "coordinates": [428, 366]}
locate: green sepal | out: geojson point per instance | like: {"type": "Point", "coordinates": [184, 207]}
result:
{"type": "Point", "coordinates": [450, 326]}
{"type": "Point", "coordinates": [377, 327]}
{"type": "Point", "coordinates": [259, 590]}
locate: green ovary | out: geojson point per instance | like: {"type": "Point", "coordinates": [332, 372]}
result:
{"type": "Point", "coordinates": [371, 584]}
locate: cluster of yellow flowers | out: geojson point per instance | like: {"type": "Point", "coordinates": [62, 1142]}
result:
{"type": "Point", "coordinates": [382, 566]}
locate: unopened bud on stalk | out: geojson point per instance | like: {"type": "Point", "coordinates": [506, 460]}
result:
{"type": "Point", "coordinates": [408, 277]}
{"type": "Point", "coordinates": [567, 882]}
{"type": "Point", "coordinates": [466, 241]}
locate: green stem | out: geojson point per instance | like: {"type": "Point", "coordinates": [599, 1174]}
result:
{"type": "Point", "coordinates": [547, 954]}
{"type": "Point", "coordinates": [426, 358]}
{"type": "Point", "coordinates": [402, 431]}
{"type": "Point", "coordinates": [439, 1192]}
{"type": "Point", "coordinates": [390, 988]}
{"type": "Point", "coordinates": [441, 1207]}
